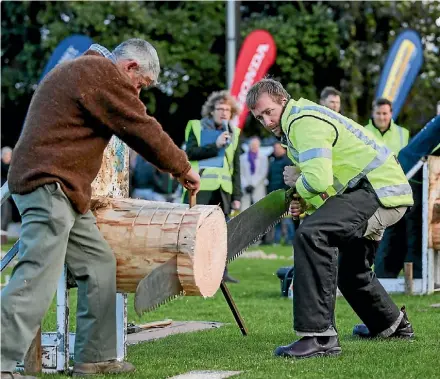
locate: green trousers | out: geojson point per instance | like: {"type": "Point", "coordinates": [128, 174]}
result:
{"type": "Point", "coordinates": [53, 233]}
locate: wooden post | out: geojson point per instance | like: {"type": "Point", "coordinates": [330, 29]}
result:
{"type": "Point", "coordinates": [408, 278]}
{"type": "Point", "coordinates": [32, 361]}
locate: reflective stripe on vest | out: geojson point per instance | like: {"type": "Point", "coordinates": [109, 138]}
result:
{"type": "Point", "coordinates": [401, 136]}
{"type": "Point", "coordinates": [397, 190]}
{"type": "Point", "coordinates": [215, 176]}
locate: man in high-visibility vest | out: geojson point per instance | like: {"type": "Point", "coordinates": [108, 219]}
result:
{"type": "Point", "coordinates": [383, 127]}
{"type": "Point", "coordinates": [219, 185]}
{"type": "Point", "coordinates": [352, 187]}
{"type": "Point", "coordinates": [395, 138]}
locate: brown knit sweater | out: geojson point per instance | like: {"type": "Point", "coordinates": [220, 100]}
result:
{"type": "Point", "coordinates": [72, 116]}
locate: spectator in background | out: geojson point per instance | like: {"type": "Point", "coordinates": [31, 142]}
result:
{"type": "Point", "coordinates": [219, 185]}
{"type": "Point", "coordinates": [384, 128]}
{"type": "Point", "coordinates": [277, 162]}
{"type": "Point", "coordinates": [395, 138]}
{"type": "Point", "coordinates": [149, 183]}
{"type": "Point", "coordinates": [331, 98]}
{"type": "Point", "coordinates": [6, 208]}
{"type": "Point", "coordinates": [254, 167]}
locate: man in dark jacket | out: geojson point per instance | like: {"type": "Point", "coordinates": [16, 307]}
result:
{"type": "Point", "coordinates": [276, 181]}
{"type": "Point", "coordinates": [57, 157]}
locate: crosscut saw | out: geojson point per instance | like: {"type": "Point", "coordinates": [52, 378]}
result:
{"type": "Point", "coordinates": [253, 223]}
{"type": "Point", "coordinates": [243, 231]}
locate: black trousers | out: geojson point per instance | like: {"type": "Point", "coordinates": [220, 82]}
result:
{"type": "Point", "coordinates": [330, 251]}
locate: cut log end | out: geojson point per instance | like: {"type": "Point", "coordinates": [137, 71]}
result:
{"type": "Point", "coordinates": [201, 272]}
{"type": "Point", "coordinates": [145, 234]}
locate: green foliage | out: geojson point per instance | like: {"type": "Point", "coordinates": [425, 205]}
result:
{"type": "Point", "coordinates": [343, 44]}
{"type": "Point", "coordinates": [366, 33]}
{"type": "Point", "coordinates": [301, 49]}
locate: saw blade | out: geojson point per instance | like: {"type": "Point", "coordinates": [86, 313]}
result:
{"type": "Point", "coordinates": [5, 194]}
{"type": "Point", "coordinates": [250, 225]}
{"type": "Point", "coordinates": [157, 288]}
{"type": "Point", "coordinates": [10, 255]}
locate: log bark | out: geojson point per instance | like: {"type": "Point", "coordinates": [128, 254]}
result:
{"type": "Point", "coordinates": [33, 358]}
{"type": "Point", "coordinates": [434, 202]}
{"type": "Point", "coordinates": [145, 234]}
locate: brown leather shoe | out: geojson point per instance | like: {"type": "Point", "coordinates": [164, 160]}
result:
{"type": "Point", "coordinates": [10, 375]}
{"type": "Point", "coordinates": [107, 367]}
{"type": "Point", "coordinates": [309, 347]}
{"type": "Point", "coordinates": [404, 330]}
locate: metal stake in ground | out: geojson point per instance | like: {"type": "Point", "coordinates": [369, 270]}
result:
{"type": "Point", "coordinates": [225, 290]}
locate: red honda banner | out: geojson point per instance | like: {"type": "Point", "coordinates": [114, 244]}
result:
{"type": "Point", "coordinates": [256, 56]}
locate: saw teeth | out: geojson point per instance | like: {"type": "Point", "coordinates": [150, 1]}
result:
{"type": "Point", "coordinates": [154, 307]}
{"type": "Point", "coordinates": [258, 237]}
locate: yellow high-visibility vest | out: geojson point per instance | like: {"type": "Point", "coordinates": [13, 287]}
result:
{"type": "Point", "coordinates": [334, 153]}
{"type": "Point", "coordinates": [395, 138]}
{"type": "Point", "coordinates": [213, 178]}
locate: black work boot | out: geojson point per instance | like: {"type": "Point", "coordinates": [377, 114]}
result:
{"type": "Point", "coordinates": [404, 330]}
{"type": "Point", "coordinates": [228, 278]}
{"type": "Point", "coordinates": [309, 347]}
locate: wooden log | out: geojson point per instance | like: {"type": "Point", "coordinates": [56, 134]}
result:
{"type": "Point", "coordinates": [146, 234]}
{"type": "Point", "coordinates": [33, 358]}
{"type": "Point", "coordinates": [434, 202]}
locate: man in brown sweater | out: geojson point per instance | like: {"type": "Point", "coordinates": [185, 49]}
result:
{"type": "Point", "coordinates": [72, 116]}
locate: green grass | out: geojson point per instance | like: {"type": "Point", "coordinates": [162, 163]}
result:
{"type": "Point", "coordinates": [268, 318]}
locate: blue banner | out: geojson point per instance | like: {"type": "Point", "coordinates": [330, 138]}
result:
{"type": "Point", "coordinates": [401, 68]}
{"type": "Point", "coordinates": [69, 48]}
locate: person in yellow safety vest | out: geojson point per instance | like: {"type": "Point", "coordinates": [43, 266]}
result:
{"type": "Point", "coordinates": [383, 127]}
{"type": "Point", "coordinates": [353, 187]}
{"type": "Point", "coordinates": [219, 185]}
{"type": "Point", "coordinates": [395, 138]}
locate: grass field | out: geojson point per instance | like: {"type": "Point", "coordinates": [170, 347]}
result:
{"type": "Point", "coordinates": [269, 321]}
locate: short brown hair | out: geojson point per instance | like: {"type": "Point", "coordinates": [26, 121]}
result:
{"type": "Point", "coordinates": [273, 88]}
{"type": "Point", "coordinates": [327, 91]}
{"type": "Point", "coordinates": [222, 97]}
{"type": "Point", "coordinates": [382, 101]}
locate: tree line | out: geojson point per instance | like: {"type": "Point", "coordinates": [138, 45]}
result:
{"type": "Point", "coordinates": [341, 44]}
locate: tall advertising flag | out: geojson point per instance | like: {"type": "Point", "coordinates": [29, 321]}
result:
{"type": "Point", "coordinates": [401, 68]}
{"type": "Point", "coordinates": [256, 56]}
{"type": "Point", "coordinates": [69, 48]}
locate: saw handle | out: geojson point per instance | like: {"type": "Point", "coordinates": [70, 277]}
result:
{"type": "Point", "coordinates": [192, 199]}
{"type": "Point", "coordinates": [296, 219]}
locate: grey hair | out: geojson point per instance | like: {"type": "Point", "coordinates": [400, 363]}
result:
{"type": "Point", "coordinates": [273, 88]}
{"type": "Point", "coordinates": [5, 150]}
{"type": "Point", "coordinates": [142, 51]}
